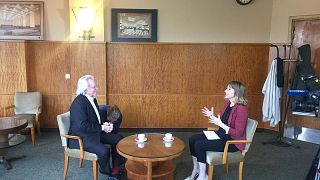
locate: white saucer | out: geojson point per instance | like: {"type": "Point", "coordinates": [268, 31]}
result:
{"type": "Point", "coordinates": [168, 140]}
{"type": "Point", "coordinates": [144, 140]}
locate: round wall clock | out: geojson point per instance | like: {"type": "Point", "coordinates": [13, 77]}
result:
{"type": "Point", "coordinates": [244, 2]}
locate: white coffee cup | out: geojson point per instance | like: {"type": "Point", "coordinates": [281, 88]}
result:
{"type": "Point", "coordinates": [140, 145]}
{"type": "Point", "coordinates": [141, 137]}
{"type": "Point", "coordinates": [168, 144]}
{"type": "Point", "coordinates": [168, 136]}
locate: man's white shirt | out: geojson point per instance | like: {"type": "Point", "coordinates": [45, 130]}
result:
{"type": "Point", "coordinates": [94, 107]}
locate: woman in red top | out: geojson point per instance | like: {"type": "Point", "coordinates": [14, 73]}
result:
{"type": "Point", "coordinates": [232, 126]}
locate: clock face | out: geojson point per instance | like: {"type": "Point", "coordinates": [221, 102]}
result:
{"type": "Point", "coordinates": [243, 2]}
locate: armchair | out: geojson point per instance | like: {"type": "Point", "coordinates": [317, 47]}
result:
{"type": "Point", "coordinates": [64, 125]}
{"type": "Point", "coordinates": [27, 105]}
{"type": "Point", "coordinates": [225, 157]}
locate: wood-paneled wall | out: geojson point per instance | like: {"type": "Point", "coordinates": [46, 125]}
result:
{"type": "Point", "coordinates": [42, 65]}
{"type": "Point", "coordinates": [166, 85]}
{"type": "Point", "coordinates": [156, 85]}
{"type": "Point", "coordinates": [12, 70]}
{"type": "Point", "coordinates": [47, 62]}
{"type": "Point", "coordinates": [13, 67]}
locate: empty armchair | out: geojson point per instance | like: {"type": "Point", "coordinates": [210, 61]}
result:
{"type": "Point", "coordinates": [217, 158]}
{"type": "Point", "coordinates": [64, 125]}
{"type": "Point", "coordinates": [27, 105]}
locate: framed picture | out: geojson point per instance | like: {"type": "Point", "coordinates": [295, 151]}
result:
{"type": "Point", "coordinates": [21, 20]}
{"type": "Point", "coordinates": [134, 25]}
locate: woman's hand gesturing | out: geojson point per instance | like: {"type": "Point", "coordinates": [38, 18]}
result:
{"type": "Point", "coordinates": [215, 120]}
{"type": "Point", "coordinates": [206, 112]}
{"type": "Point", "coordinates": [210, 114]}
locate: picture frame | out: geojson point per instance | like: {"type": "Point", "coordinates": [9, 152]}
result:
{"type": "Point", "coordinates": [21, 20]}
{"type": "Point", "coordinates": [134, 25]}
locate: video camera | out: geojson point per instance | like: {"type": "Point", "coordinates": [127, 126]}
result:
{"type": "Point", "coordinates": [307, 100]}
{"type": "Point", "coordinates": [305, 86]}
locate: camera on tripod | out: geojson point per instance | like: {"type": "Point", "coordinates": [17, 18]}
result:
{"type": "Point", "coordinates": [307, 100]}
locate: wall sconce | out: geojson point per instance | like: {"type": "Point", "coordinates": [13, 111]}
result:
{"type": "Point", "coordinates": [85, 17]}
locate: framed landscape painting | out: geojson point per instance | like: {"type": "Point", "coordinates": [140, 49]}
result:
{"type": "Point", "coordinates": [21, 20]}
{"type": "Point", "coordinates": [134, 25]}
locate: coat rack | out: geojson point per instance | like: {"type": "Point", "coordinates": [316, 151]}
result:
{"type": "Point", "coordinates": [280, 140]}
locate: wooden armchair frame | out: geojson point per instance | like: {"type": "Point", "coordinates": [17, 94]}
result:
{"type": "Point", "coordinates": [64, 125]}
{"type": "Point", "coordinates": [224, 159]}
{"type": "Point", "coordinates": [66, 158]}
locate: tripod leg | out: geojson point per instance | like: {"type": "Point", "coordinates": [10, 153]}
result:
{"type": "Point", "coordinates": [5, 163]}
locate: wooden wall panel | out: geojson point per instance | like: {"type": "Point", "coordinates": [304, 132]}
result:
{"type": "Point", "coordinates": [183, 68]}
{"type": "Point", "coordinates": [166, 85]}
{"type": "Point", "coordinates": [174, 111]}
{"type": "Point", "coordinates": [47, 63]}
{"type": "Point", "coordinates": [88, 58]}
{"type": "Point", "coordinates": [255, 110]}
{"type": "Point", "coordinates": [54, 104]}
{"type": "Point", "coordinates": [155, 85]}
{"type": "Point", "coordinates": [13, 67]}
{"type": "Point", "coordinates": [166, 111]}
{"type": "Point", "coordinates": [5, 100]}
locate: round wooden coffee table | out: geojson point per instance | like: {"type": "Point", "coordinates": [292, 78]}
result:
{"type": "Point", "coordinates": [150, 159]}
{"type": "Point", "coordinates": [10, 125]}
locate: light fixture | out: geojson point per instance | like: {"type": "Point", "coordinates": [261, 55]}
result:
{"type": "Point", "coordinates": [85, 17]}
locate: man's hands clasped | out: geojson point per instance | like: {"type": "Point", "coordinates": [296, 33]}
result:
{"type": "Point", "coordinates": [107, 127]}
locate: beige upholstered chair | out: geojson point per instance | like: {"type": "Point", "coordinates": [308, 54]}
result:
{"type": "Point", "coordinates": [64, 125]}
{"type": "Point", "coordinates": [27, 105]}
{"type": "Point", "coordinates": [217, 158]}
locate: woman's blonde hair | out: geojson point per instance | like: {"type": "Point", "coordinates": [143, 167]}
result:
{"type": "Point", "coordinates": [239, 90]}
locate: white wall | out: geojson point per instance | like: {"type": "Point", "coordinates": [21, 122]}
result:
{"type": "Point", "coordinates": [198, 20]}
{"type": "Point", "coordinates": [98, 22]}
{"type": "Point", "coordinates": [180, 20]}
{"type": "Point", "coordinates": [203, 20]}
{"type": "Point", "coordinates": [56, 19]}
{"type": "Point", "coordinates": [282, 10]}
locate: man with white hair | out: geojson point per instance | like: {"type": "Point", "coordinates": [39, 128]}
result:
{"type": "Point", "coordinates": [85, 122]}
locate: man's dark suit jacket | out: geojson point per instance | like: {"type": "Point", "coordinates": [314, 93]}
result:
{"type": "Point", "coordinates": [83, 122]}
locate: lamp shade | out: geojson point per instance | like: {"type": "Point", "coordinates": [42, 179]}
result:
{"type": "Point", "coordinates": [85, 17]}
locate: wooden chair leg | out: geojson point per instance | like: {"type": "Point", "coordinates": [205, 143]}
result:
{"type": "Point", "coordinates": [210, 171]}
{"type": "Point", "coordinates": [95, 170]}
{"type": "Point", "coordinates": [65, 170]}
{"type": "Point", "coordinates": [32, 136]}
{"type": "Point", "coordinates": [80, 162]}
{"type": "Point", "coordinates": [38, 129]}
{"type": "Point", "coordinates": [227, 167]}
{"type": "Point", "coordinates": [240, 170]}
